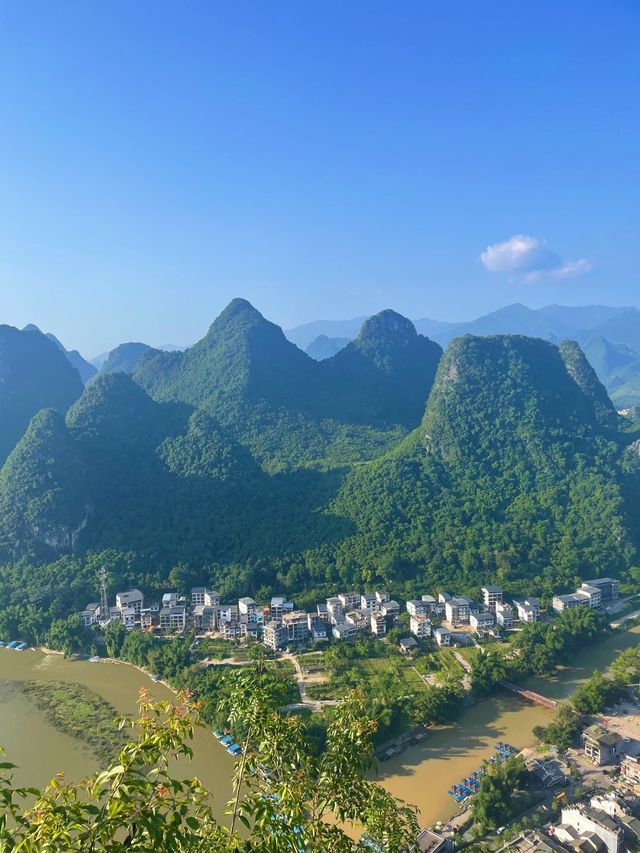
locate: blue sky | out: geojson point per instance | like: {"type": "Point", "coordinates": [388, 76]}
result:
{"type": "Point", "coordinates": [322, 159]}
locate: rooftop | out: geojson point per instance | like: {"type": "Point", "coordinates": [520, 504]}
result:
{"type": "Point", "coordinates": [601, 735]}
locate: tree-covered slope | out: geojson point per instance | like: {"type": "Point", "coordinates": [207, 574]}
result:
{"type": "Point", "coordinates": [44, 502]}
{"type": "Point", "coordinates": [287, 408]}
{"type": "Point", "coordinates": [34, 375]}
{"type": "Point", "coordinates": [161, 480]}
{"type": "Point", "coordinates": [125, 357]}
{"type": "Point", "coordinates": [86, 370]}
{"type": "Point", "coordinates": [510, 476]}
{"type": "Point", "coordinates": [383, 377]}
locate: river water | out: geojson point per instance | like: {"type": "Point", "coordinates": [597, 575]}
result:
{"type": "Point", "coordinates": [423, 774]}
{"type": "Point", "coordinates": [420, 775]}
{"type": "Point", "coordinates": [41, 751]}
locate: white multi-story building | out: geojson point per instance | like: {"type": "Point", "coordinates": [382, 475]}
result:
{"type": "Point", "coordinates": [504, 615]}
{"type": "Point", "coordinates": [368, 601]}
{"type": "Point", "coordinates": [204, 617]}
{"type": "Point", "coordinates": [322, 612]}
{"type": "Point", "coordinates": [560, 603]}
{"type": "Point", "coordinates": [390, 609]}
{"type": "Point", "coordinates": [420, 626]}
{"type": "Point", "coordinates": [443, 637]}
{"type": "Point", "coordinates": [279, 606]}
{"type": "Point", "coordinates": [130, 598]}
{"type": "Point", "coordinates": [198, 594]}
{"type": "Point", "coordinates": [91, 614]}
{"type": "Point", "coordinates": [528, 609]}
{"type": "Point", "coordinates": [246, 606]}
{"type": "Point", "coordinates": [344, 631]}
{"type": "Point", "coordinates": [609, 587]}
{"type": "Point", "coordinates": [482, 620]}
{"type": "Point", "coordinates": [211, 598]}
{"type": "Point", "coordinates": [360, 618]}
{"type": "Point", "coordinates": [349, 600]}
{"type": "Point", "coordinates": [226, 613]}
{"type": "Point", "coordinates": [580, 820]}
{"type": "Point", "coordinates": [317, 627]}
{"type": "Point", "coordinates": [173, 618]}
{"type": "Point", "coordinates": [170, 599]}
{"type": "Point", "coordinates": [275, 635]}
{"type": "Point", "coordinates": [335, 609]}
{"type": "Point", "coordinates": [296, 626]}
{"type": "Point", "coordinates": [457, 610]}
{"type": "Point", "coordinates": [418, 607]}
{"type": "Point", "coordinates": [378, 623]}
{"type": "Point", "coordinates": [129, 617]}
{"type": "Point", "coordinates": [491, 595]}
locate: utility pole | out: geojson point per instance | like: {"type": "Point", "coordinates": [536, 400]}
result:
{"type": "Point", "coordinates": [104, 601]}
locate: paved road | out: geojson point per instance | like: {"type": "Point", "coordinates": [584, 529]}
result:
{"type": "Point", "coordinates": [618, 622]}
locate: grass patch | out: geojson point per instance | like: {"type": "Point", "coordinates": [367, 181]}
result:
{"type": "Point", "coordinates": [80, 713]}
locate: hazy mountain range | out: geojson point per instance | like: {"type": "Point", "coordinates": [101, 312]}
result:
{"type": "Point", "coordinates": [610, 337]}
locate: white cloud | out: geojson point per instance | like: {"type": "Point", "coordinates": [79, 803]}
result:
{"type": "Point", "coordinates": [529, 259]}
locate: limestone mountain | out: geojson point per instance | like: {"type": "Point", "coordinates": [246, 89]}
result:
{"type": "Point", "coordinates": [384, 376]}
{"type": "Point", "coordinates": [286, 407]}
{"type": "Point", "coordinates": [618, 368]}
{"type": "Point", "coordinates": [323, 347]}
{"type": "Point", "coordinates": [86, 370]}
{"type": "Point", "coordinates": [586, 378]}
{"type": "Point", "coordinates": [125, 357]}
{"type": "Point", "coordinates": [34, 375]}
{"type": "Point", "coordinates": [510, 476]}
{"type": "Point", "coordinates": [44, 502]}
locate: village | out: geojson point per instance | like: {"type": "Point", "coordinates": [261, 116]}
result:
{"type": "Point", "coordinates": [588, 798]}
{"type": "Point", "coordinates": [446, 619]}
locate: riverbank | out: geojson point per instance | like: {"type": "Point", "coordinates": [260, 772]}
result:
{"type": "Point", "coordinates": [423, 774]}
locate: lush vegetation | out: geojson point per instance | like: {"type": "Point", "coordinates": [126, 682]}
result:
{"type": "Point", "coordinates": [242, 468]}
{"type": "Point", "coordinates": [596, 694]}
{"type": "Point", "coordinates": [35, 375]}
{"type": "Point", "coordinates": [493, 805]}
{"type": "Point", "coordinates": [80, 713]}
{"type": "Point", "coordinates": [137, 804]}
{"type": "Point", "coordinates": [562, 730]}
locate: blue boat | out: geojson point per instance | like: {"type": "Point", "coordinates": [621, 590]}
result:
{"type": "Point", "coordinates": [12, 644]}
{"type": "Point", "coordinates": [21, 647]}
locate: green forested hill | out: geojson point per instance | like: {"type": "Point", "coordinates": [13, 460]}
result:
{"type": "Point", "coordinates": [44, 502]}
{"type": "Point", "coordinates": [287, 408]}
{"type": "Point", "coordinates": [510, 476]}
{"type": "Point", "coordinates": [34, 375]}
{"type": "Point", "coordinates": [125, 357]}
{"type": "Point", "coordinates": [515, 471]}
{"type": "Point", "coordinates": [162, 480]}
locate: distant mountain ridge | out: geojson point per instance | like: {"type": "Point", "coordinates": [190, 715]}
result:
{"type": "Point", "coordinates": [323, 347]}
{"type": "Point", "coordinates": [84, 368]}
{"type": "Point", "coordinates": [616, 326]}
{"type": "Point", "coordinates": [253, 380]}
{"type": "Point", "coordinates": [35, 374]}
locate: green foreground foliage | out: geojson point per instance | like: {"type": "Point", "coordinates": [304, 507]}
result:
{"type": "Point", "coordinates": [285, 797]}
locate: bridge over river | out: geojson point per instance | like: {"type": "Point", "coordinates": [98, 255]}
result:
{"type": "Point", "coordinates": [531, 695]}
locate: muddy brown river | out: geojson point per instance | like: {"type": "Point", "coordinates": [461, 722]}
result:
{"type": "Point", "coordinates": [420, 775]}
